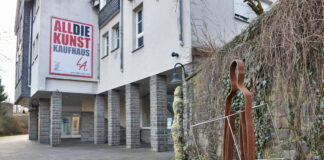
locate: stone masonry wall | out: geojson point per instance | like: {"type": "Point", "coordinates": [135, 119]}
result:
{"type": "Point", "coordinates": [44, 121]}
{"type": "Point", "coordinates": [158, 102]}
{"type": "Point", "coordinates": [86, 126]}
{"type": "Point", "coordinates": [132, 97]}
{"type": "Point", "coordinates": [99, 120]}
{"type": "Point", "coordinates": [32, 124]}
{"type": "Point", "coordinates": [55, 112]}
{"type": "Point", "coordinates": [201, 105]}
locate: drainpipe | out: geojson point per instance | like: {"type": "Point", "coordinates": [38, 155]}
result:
{"type": "Point", "coordinates": [180, 22]}
{"type": "Point", "coordinates": [99, 56]}
{"type": "Point", "coordinates": [30, 56]}
{"type": "Point", "coordinates": [121, 36]}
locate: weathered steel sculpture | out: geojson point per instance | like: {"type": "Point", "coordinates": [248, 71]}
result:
{"type": "Point", "coordinates": [246, 131]}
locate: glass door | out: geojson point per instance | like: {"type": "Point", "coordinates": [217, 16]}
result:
{"type": "Point", "coordinates": [65, 126]}
{"type": "Point", "coordinates": [75, 125]}
{"type": "Point", "coordinates": [70, 126]}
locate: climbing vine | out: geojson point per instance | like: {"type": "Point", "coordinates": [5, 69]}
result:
{"type": "Point", "coordinates": [284, 65]}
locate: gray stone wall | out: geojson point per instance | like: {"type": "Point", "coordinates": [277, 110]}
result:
{"type": "Point", "coordinates": [44, 122]}
{"type": "Point", "coordinates": [87, 126]}
{"type": "Point", "coordinates": [187, 100]}
{"type": "Point", "coordinates": [158, 101]}
{"type": "Point", "coordinates": [122, 135]}
{"type": "Point", "coordinates": [146, 136]}
{"type": "Point", "coordinates": [32, 124]}
{"type": "Point", "coordinates": [132, 97]}
{"type": "Point", "coordinates": [113, 118]}
{"type": "Point", "coordinates": [56, 113]}
{"type": "Point", "coordinates": [99, 120]}
{"type": "Point", "coordinates": [170, 141]}
{"type": "Point", "coordinates": [106, 130]}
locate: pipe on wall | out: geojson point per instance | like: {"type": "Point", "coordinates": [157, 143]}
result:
{"type": "Point", "coordinates": [121, 36]}
{"type": "Point", "coordinates": [30, 56]}
{"type": "Point", "coordinates": [180, 18]}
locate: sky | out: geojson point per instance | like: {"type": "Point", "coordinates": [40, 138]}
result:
{"type": "Point", "coordinates": [8, 47]}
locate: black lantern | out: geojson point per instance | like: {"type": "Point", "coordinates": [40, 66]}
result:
{"type": "Point", "coordinates": [176, 77]}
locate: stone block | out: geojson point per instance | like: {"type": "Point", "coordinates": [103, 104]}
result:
{"type": "Point", "coordinates": [158, 102]}
{"type": "Point", "coordinates": [113, 118]}
{"type": "Point", "coordinates": [99, 120]}
{"type": "Point", "coordinates": [132, 98]}
{"type": "Point", "coordinates": [32, 124]}
{"type": "Point", "coordinates": [55, 123]}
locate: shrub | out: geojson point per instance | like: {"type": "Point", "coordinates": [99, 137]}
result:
{"type": "Point", "coordinates": [11, 125]}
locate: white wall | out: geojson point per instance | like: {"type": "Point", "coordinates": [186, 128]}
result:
{"type": "Point", "coordinates": [213, 21]}
{"type": "Point", "coordinates": [160, 40]}
{"type": "Point", "coordinates": [76, 10]}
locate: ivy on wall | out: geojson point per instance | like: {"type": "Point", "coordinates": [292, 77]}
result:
{"type": "Point", "coordinates": [284, 65]}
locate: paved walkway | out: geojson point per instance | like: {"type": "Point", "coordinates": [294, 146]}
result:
{"type": "Point", "coordinates": [20, 148]}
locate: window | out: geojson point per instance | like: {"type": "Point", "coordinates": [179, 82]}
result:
{"type": "Point", "coordinates": [35, 9]}
{"type": "Point", "coordinates": [37, 6]}
{"type": "Point", "coordinates": [170, 99]}
{"type": "Point", "coordinates": [33, 52]}
{"type": "Point", "coordinates": [105, 45]}
{"type": "Point", "coordinates": [18, 38]}
{"type": "Point", "coordinates": [35, 49]}
{"type": "Point", "coordinates": [139, 29]}
{"type": "Point", "coordinates": [169, 122]}
{"type": "Point", "coordinates": [242, 11]}
{"type": "Point", "coordinates": [115, 42]}
{"type": "Point", "coordinates": [20, 30]}
{"type": "Point", "coordinates": [18, 68]}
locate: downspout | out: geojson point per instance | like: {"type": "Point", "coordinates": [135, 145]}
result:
{"type": "Point", "coordinates": [99, 48]}
{"type": "Point", "coordinates": [121, 36]}
{"type": "Point", "coordinates": [30, 56]}
{"type": "Point", "coordinates": [180, 22]}
{"type": "Point", "coordinates": [99, 53]}
{"type": "Point", "coordinates": [92, 2]}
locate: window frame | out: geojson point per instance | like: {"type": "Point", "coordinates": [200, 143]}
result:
{"type": "Point", "coordinates": [115, 37]}
{"type": "Point", "coordinates": [106, 44]}
{"type": "Point", "coordinates": [242, 11]}
{"type": "Point", "coordinates": [35, 49]}
{"type": "Point", "coordinates": [137, 22]}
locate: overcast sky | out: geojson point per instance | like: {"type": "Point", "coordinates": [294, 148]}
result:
{"type": "Point", "coordinates": [7, 46]}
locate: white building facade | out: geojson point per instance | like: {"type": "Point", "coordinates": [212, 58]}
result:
{"type": "Point", "coordinates": [100, 70]}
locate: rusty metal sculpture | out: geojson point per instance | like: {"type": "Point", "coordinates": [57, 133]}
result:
{"type": "Point", "coordinates": [246, 131]}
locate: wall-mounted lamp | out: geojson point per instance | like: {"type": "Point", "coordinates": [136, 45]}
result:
{"type": "Point", "coordinates": [174, 54]}
{"type": "Point", "coordinates": [175, 77]}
